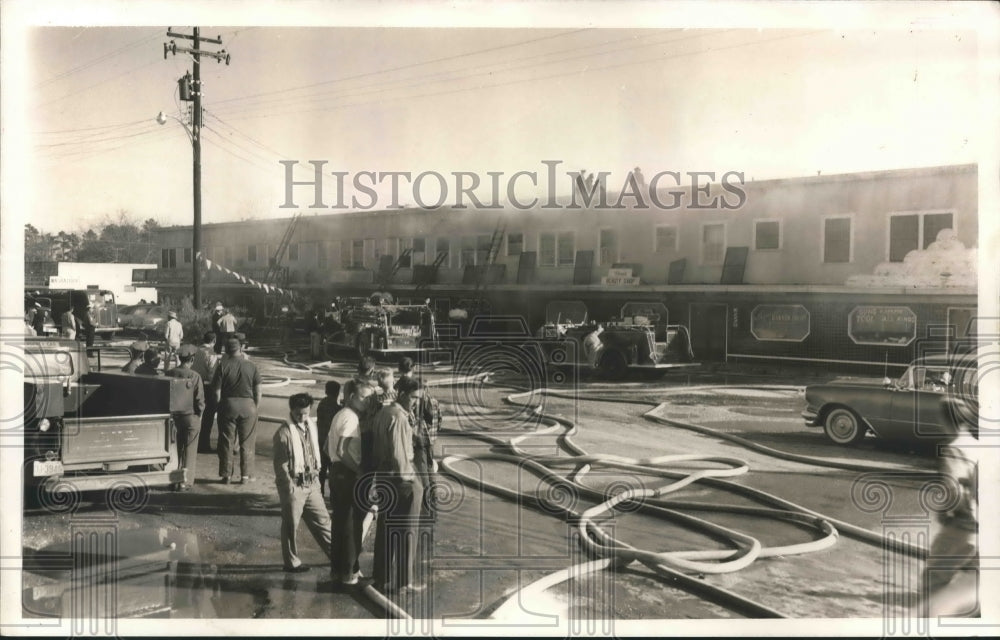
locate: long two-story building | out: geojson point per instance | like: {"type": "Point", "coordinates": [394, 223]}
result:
{"type": "Point", "coordinates": [820, 269]}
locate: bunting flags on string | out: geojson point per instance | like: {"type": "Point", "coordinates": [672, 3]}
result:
{"type": "Point", "coordinates": [267, 288]}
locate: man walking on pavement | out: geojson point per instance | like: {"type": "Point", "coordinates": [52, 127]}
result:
{"type": "Point", "coordinates": [395, 476]}
{"type": "Point", "coordinates": [343, 447]}
{"type": "Point", "coordinates": [227, 328]}
{"type": "Point", "coordinates": [188, 418]}
{"type": "Point", "coordinates": [236, 385]}
{"type": "Point", "coordinates": [204, 364]}
{"type": "Point", "coordinates": [296, 475]}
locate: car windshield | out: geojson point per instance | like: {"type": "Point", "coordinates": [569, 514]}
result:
{"type": "Point", "coordinates": [927, 378]}
{"type": "Point", "coordinates": [563, 312]}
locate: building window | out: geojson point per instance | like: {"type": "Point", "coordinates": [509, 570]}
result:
{"type": "Point", "coordinates": [713, 243]}
{"type": "Point", "coordinates": [666, 239]}
{"type": "Point", "coordinates": [251, 253]}
{"type": "Point", "coordinates": [345, 254]}
{"type": "Point", "coordinates": [371, 253]}
{"type": "Point", "coordinates": [357, 254]}
{"type": "Point", "coordinates": [467, 255]}
{"type": "Point", "coordinates": [566, 249]}
{"type": "Point", "coordinates": [293, 252]}
{"type": "Point", "coordinates": [187, 255]}
{"type": "Point", "coordinates": [321, 259]}
{"type": "Point", "coordinates": [546, 250]}
{"type": "Point", "coordinates": [419, 255]}
{"type": "Point", "coordinates": [608, 246]}
{"type": "Point", "coordinates": [443, 247]}
{"type": "Point", "coordinates": [168, 258]}
{"type": "Point", "coordinates": [767, 235]}
{"type": "Point", "coordinates": [515, 244]}
{"type": "Point", "coordinates": [914, 231]}
{"type": "Point", "coordinates": [837, 240]}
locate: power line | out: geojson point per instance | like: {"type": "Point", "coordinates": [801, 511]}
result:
{"type": "Point", "coordinates": [87, 65]}
{"type": "Point", "coordinates": [403, 67]}
{"type": "Point", "coordinates": [520, 80]}
{"type": "Point", "coordinates": [107, 126]}
{"type": "Point", "coordinates": [419, 80]}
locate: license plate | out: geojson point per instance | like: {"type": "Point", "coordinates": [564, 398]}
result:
{"type": "Point", "coordinates": [48, 468]}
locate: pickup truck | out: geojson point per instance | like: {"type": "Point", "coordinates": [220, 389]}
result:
{"type": "Point", "coordinates": [89, 430]}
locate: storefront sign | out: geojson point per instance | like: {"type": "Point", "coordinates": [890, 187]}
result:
{"type": "Point", "coordinates": [620, 273]}
{"type": "Point", "coordinates": [631, 281]}
{"type": "Point", "coordinates": [780, 322]}
{"type": "Point", "coordinates": [891, 326]}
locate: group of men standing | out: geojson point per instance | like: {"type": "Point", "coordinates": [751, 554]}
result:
{"type": "Point", "coordinates": [223, 386]}
{"type": "Point", "coordinates": [381, 465]}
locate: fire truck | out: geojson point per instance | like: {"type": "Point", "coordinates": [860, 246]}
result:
{"type": "Point", "coordinates": [639, 340]}
{"type": "Point", "coordinates": [380, 329]}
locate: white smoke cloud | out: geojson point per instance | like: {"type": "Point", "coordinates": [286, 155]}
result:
{"type": "Point", "coordinates": [944, 263]}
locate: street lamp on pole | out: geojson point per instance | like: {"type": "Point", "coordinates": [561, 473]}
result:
{"type": "Point", "coordinates": [195, 137]}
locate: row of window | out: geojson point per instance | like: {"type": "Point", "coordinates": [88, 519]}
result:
{"type": "Point", "coordinates": [558, 249]}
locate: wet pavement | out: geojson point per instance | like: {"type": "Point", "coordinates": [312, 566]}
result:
{"type": "Point", "coordinates": [213, 552]}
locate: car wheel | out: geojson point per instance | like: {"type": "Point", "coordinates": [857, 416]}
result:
{"type": "Point", "coordinates": [613, 365]}
{"type": "Point", "coordinates": [843, 426]}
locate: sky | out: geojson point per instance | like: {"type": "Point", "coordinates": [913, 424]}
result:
{"type": "Point", "coordinates": [779, 100]}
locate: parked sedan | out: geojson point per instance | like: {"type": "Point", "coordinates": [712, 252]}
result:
{"type": "Point", "coordinates": [909, 408]}
{"type": "Point", "coordinates": [144, 318]}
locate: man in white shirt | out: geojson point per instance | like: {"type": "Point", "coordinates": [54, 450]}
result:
{"type": "Point", "coordinates": [174, 334]}
{"type": "Point", "coordinates": [343, 446]}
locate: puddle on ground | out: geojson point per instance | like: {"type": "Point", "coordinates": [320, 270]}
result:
{"type": "Point", "coordinates": [158, 573]}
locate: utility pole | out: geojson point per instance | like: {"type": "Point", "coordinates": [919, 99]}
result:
{"type": "Point", "coordinates": [189, 87]}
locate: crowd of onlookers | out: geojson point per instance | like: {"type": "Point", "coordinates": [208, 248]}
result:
{"type": "Point", "coordinates": [372, 452]}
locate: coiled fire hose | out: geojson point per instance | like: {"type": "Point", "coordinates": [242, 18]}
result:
{"type": "Point", "coordinates": [671, 566]}
{"type": "Point", "coordinates": [666, 564]}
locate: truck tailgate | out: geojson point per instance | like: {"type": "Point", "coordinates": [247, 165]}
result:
{"type": "Point", "coordinates": [119, 438]}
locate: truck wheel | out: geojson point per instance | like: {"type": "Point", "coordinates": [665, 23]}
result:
{"type": "Point", "coordinates": [613, 365]}
{"type": "Point", "coordinates": [843, 426]}
{"type": "Point", "coordinates": [106, 335]}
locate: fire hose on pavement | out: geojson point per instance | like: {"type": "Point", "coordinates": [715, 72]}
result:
{"type": "Point", "coordinates": [674, 567]}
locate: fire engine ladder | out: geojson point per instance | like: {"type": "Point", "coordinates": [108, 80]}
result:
{"type": "Point", "coordinates": [438, 261]}
{"type": "Point", "coordinates": [386, 278]}
{"type": "Point", "coordinates": [483, 275]}
{"type": "Point", "coordinates": [274, 268]}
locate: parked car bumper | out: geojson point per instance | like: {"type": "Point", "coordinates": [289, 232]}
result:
{"type": "Point", "coordinates": [811, 417]}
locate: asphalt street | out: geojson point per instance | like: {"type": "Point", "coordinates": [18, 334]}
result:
{"type": "Point", "coordinates": [225, 562]}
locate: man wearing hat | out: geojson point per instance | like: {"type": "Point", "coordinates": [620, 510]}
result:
{"type": "Point", "coordinates": [173, 333]}
{"type": "Point", "coordinates": [236, 386]}
{"type": "Point", "coordinates": [188, 418]}
{"type": "Point", "coordinates": [150, 363]}
{"type": "Point", "coordinates": [135, 350]}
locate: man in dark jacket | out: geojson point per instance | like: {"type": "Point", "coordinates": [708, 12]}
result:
{"type": "Point", "coordinates": [392, 458]}
{"type": "Point", "coordinates": [204, 364]}
{"type": "Point", "coordinates": [237, 391]}
{"type": "Point", "coordinates": [150, 363]}
{"type": "Point", "coordinates": [188, 418]}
